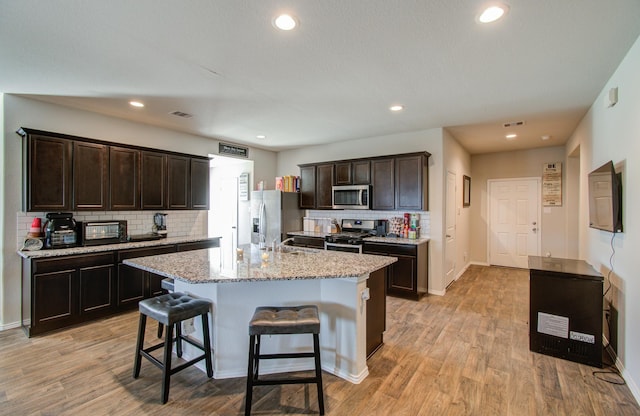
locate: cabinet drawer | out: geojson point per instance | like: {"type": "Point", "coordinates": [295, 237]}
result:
{"type": "Point", "coordinates": [71, 262]}
{"type": "Point", "coordinates": [145, 251]}
{"type": "Point", "coordinates": [391, 249]}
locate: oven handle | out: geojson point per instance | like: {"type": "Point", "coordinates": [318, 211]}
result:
{"type": "Point", "coordinates": [359, 246]}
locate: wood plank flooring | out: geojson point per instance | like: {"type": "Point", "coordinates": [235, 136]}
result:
{"type": "Point", "coordinates": [465, 353]}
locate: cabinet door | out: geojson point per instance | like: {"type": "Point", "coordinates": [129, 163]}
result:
{"type": "Point", "coordinates": [409, 183]}
{"type": "Point", "coordinates": [324, 184]}
{"type": "Point", "coordinates": [54, 300]}
{"type": "Point", "coordinates": [178, 182]}
{"type": "Point", "coordinates": [199, 183]}
{"type": "Point", "coordinates": [124, 179]}
{"type": "Point", "coordinates": [376, 310]}
{"type": "Point", "coordinates": [382, 179]}
{"type": "Point", "coordinates": [155, 285]}
{"type": "Point", "coordinates": [403, 274]}
{"type": "Point", "coordinates": [361, 172]}
{"type": "Point", "coordinates": [90, 180]}
{"type": "Point", "coordinates": [307, 187]}
{"type": "Point", "coordinates": [153, 180]}
{"type": "Point", "coordinates": [343, 173]}
{"type": "Point", "coordinates": [131, 286]}
{"type": "Point", "coordinates": [48, 174]}
{"type": "Point", "coordinates": [97, 286]}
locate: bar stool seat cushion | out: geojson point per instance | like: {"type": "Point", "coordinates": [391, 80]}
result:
{"type": "Point", "coordinates": [173, 307]}
{"type": "Point", "coordinates": [285, 320]}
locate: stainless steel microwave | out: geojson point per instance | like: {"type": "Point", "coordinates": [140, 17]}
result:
{"type": "Point", "coordinates": [351, 196]}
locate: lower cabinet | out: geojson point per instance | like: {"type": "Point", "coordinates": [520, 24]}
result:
{"type": "Point", "coordinates": [408, 277]}
{"type": "Point", "coordinates": [67, 290]}
{"type": "Point", "coordinates": [136, 284]}
{"type": "Point", "coordinates": [62, 291]}
{"type": "Point", "coordinates": [376, 310]}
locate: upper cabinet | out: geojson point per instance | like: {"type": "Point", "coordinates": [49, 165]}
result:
{"type": "Point", "coordinates": [124, 178]}
{"type": "Point", "coordinates": [68, 173]}
{"type": "Point", "coordinates": [47, 173]}
{"type": "Point", "coordinates": [398, 182]}
{"type": "Point", "coordinates": [90, 178]}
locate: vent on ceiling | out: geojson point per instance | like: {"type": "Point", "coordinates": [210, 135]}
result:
{"type": "Point", "coordinates": [513, 124]}
{"type": "Point", "coordinates": [181, 114]}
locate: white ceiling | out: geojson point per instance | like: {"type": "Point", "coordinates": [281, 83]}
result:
{"type": "Point", "coordinates": [331, 79]}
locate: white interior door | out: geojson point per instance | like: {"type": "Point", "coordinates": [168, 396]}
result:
{"type": "Point", "coordinates": [224, 217]}
{"type": "Point", "coordinates": [514, 221]}
{"type": "Point", "coordinates": [450, 229]}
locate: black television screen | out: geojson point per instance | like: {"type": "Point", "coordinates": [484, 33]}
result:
{"type": "Point", "coordinates": [605, 199]}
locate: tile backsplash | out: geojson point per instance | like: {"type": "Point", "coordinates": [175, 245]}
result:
{"type": "Point", "coordinates": [425, 222]}
{"type": "Point", "coordinates": [179, 223]}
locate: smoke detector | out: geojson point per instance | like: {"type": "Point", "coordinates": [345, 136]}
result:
{"type": "Point", "coordinates": [513, 124]}
{"type": "Point", "coordinates": [181, 114]}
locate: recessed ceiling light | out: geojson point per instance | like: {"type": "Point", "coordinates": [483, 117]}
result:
{"type": "Point", "coordinates": [545, 137]}
{"type": "Point", "coordinates": [136, 104]}
{"type": "Point", "coordinates": [511, 136]}
{"type": "Point", "coordinates": [396, 108]}
{"type": "Point", "coordinates": [493, 13]}
{"type": "Point", "coordinates": [285, 22]}
{"type": "Point", "coordinates": [261, 136]}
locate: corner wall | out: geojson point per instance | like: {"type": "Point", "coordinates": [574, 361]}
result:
{"type": "Point", "coordinates": [613, 133]}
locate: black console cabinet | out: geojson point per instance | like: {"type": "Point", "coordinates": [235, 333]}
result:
{"type": "Point", "coordinates": [565, 310]}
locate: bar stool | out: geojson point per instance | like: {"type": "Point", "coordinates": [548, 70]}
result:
{"type": "Point", "coordinates": [167, 285]}
{"type": "Point", "coordinates": [279, 320]}
{"type": "Point", "coordinates": [171, 309]}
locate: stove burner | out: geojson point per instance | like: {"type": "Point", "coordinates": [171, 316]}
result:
{"type": "Point", "coordinates": [354, 238]}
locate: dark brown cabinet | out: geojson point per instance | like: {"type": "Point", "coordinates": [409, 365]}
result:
{"type": "Point", "coordinates": [67, 173]}
{"type": "Point", "coordinates": [67, 290]}
{"type": "Point", "coordinates": [308, 187]}
{"type": "Point", "coordinates": [353, 172]}
{"type": "Point", "coordinates": [90, 180]}
{"type": "Point", "coordinates": [324, 184]}
{"type": "Point", "coordinates": [153, 178]}
{"type": "Point", "coordinates": [47, 176]}
{"type": "Point", "coordinates": [376, 310]}
{"type": "Point", "coordinates": [135, 284]}
{"type": "Point", "coordinates": [383, 184]}
{"type": "Point", "coordinates": [409, 276]}
{"type": "Point", "coordinates": [411, 183]}
{"type": "Point", "coordinates": [177, 182]}
{"type": "Point", "coordinates": [199, 191]}
{"type": "Point", "coordinates": [124, 179]}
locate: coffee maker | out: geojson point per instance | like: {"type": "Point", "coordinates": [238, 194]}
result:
{"type": "Point", "coordinates": [60, 230]}
{"type": "Point", "coordinates": [160, 224]}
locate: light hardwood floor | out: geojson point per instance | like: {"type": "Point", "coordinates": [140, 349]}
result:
{"type": "Point", "coordinates": [462, 354]}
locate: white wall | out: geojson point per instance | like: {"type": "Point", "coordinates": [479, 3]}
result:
{"type": "Point", "coordinates": [517, 164]}
{"type": "Point", "coordinates": [614, 134]}
{"type": "Point", "coordinates": [458, 161]}
{"type": "Point", "coordinates": [425, 140]}
{"type": "Point", "coordinates": [24, 112]}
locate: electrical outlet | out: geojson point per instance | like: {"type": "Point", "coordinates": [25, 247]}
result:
{"type": "Point", "coordinates": [188, 327]}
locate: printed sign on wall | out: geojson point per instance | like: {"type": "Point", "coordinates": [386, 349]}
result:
{"type": "Point", "coordinates": [552, 184]}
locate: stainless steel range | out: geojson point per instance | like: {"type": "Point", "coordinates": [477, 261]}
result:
{"type": "Point", "coordinates": [353, 234]}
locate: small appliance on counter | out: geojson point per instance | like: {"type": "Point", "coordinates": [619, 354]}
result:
{"type": "Point", "coordinates": [92, 233]}
{"type": "Point", "coordinates": [160, 224]}
{"type": "Point", "coordinates": [60, 230]}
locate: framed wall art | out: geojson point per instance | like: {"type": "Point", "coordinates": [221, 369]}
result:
{"type": "Point", "coordinates": [466, 191]}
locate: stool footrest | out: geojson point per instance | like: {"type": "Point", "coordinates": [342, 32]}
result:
{"type": "Point", "coordinates": [286, 355]}
{"type": "Point", "coordinates": [300, 380]}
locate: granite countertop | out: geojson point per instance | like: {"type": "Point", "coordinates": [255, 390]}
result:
{"type": "Point", "coordinates": [388, 240]}
{"type": "Point", "coordinates": [205, 266]}
{"type": "Point", "coordinates": [110, 247]}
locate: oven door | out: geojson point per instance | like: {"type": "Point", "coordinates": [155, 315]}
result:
{"type": "Point", "coordinates": [350, 248]}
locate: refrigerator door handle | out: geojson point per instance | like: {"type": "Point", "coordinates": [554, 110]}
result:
{"type": "Point", "coordinates": [262, 224]}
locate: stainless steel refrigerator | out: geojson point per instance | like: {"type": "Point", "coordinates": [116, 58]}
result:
{"type": "Point", "coordinates": [273, 215]}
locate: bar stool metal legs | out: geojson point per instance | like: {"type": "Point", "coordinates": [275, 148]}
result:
{"type": "Point", "coordinates": [281, 321]}
{"type": "Point", "coordinates": [170, 310]}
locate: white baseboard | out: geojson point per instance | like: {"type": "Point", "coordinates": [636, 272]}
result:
{"type": "Point", "coordinates": [12, 325]}
{"type": "Point", "coordinates": [479, 263]}
{"type": "Point", "coordinates": [633, 387]}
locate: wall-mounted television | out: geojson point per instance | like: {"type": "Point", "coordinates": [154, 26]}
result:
{"type": "Point", "coordinates": [605, 199]}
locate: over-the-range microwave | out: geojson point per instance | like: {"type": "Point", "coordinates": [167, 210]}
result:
{"type": "Point", "coordinates": [351, 196]}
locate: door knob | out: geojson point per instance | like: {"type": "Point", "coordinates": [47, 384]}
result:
{"type": "Point", "coordinates": [448, 236]}
{"type": "Point", "coordinates": [534, 229]}
{"type": "Point", "coordinates": [533, 223]}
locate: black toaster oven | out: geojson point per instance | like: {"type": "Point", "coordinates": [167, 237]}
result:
{"type": "Point", "coordinates": [92, 233]}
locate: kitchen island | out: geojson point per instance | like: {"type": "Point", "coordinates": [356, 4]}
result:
{"type": "Point", "coordinates": [335, 281]}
